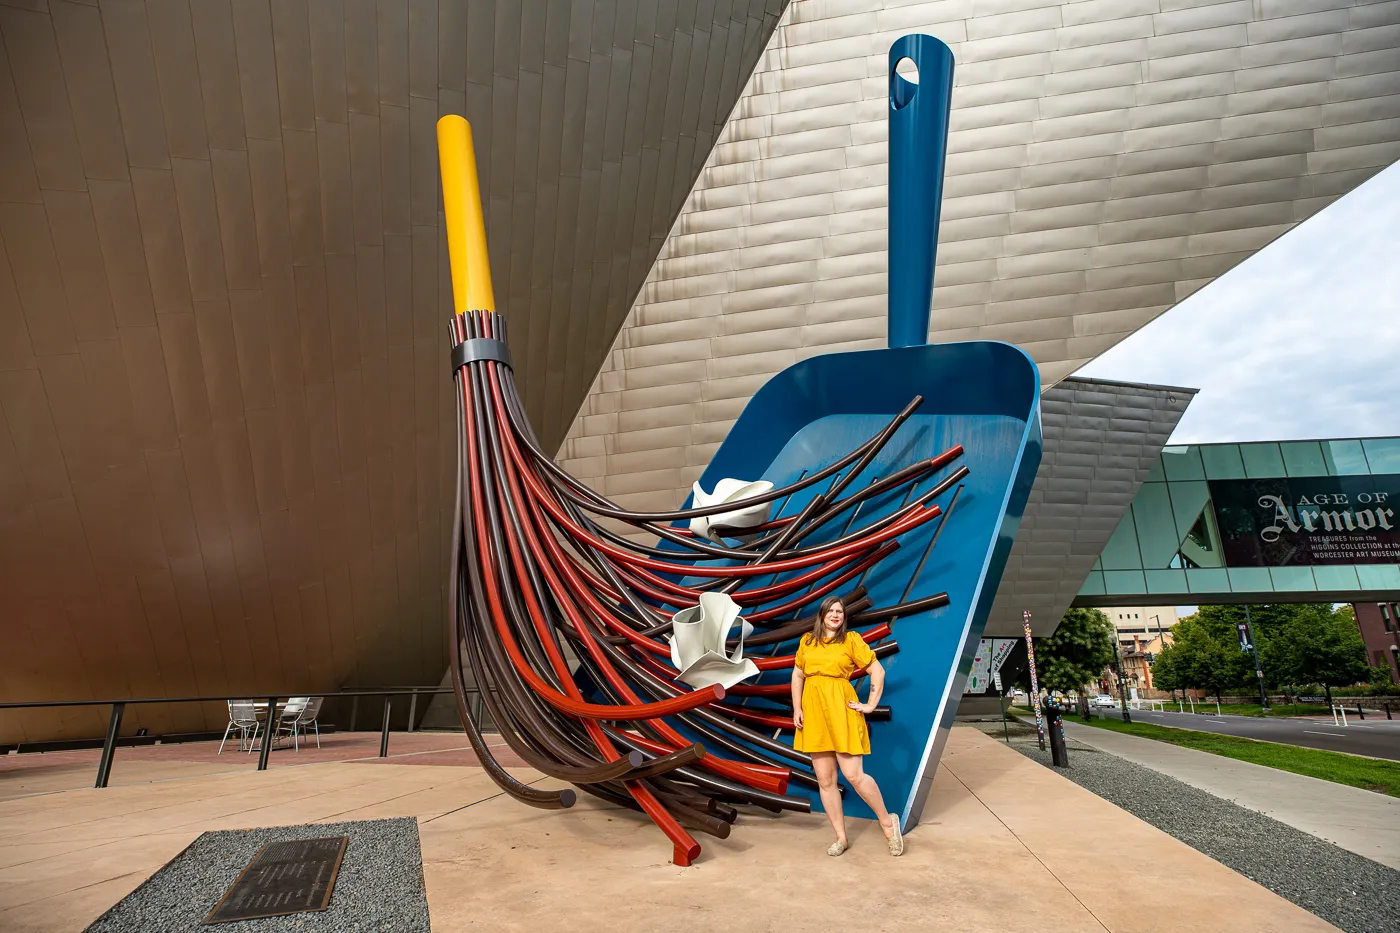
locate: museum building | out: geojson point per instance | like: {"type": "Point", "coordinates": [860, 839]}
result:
{"type": "Point", "coordinates": [228, 433]}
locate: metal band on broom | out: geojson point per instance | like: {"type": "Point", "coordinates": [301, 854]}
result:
{"type": "Point", "coordinates": [1035, 684]}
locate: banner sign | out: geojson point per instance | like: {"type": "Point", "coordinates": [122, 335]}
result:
{"type": "Point", "coordinates": [986, 664]}
{"type": "Point", "coordinates": [1310, 520]}
{"type": "Point", "coordinates": [1001, 650]}
{"type": "Point", "coordinates": [981, 674]}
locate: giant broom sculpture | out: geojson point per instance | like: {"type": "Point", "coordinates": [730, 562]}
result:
{"type": "Point", "coordinates": [631, 670]}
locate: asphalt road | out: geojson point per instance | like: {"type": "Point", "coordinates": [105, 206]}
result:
{"type": "Point", "coordinates": [1378, 738]}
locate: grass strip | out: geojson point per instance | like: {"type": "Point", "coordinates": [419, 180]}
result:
{"type": "Point", "coordinates": [1368, 773]}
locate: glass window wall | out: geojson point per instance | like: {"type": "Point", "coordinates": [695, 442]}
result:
{"type": "Point", "coordinates": [1288, 517]}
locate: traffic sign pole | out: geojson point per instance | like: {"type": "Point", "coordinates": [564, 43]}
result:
{"type": "Point", "coordinates": [1254, 649]}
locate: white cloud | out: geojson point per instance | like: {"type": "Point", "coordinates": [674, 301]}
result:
{"type": "Point", "coordinates": [1302, 340]}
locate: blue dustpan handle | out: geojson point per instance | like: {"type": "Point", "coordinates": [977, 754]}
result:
{"type": "Point", "coordinates": [918, 147]}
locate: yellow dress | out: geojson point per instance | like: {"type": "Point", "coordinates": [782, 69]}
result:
{"type": "Point", "coordinates": [830, 725]}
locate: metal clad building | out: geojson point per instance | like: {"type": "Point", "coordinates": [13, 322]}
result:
{"type": "Point", "coordinates": [1102, 441]}
{"type": "Point", "coordinates": [1107, 159]}
{"type": "Point", "coordinates": [227, 439]}
{"type": "Point", "coordinates": [225, 451]}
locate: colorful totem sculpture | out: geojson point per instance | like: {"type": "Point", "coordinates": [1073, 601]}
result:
{"type": "Point", "coordinates": [655, 675]}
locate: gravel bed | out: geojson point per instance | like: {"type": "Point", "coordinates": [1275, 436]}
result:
{"type": "Point", "coordinates": [379, 888]}
{"type": "Point", "coordinates": [1348, 891]}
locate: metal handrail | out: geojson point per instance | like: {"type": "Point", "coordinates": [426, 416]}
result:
{"type": "Point", "coordinates": [109, 742]}
{"type": "Point", "coordinates": [402, 691]}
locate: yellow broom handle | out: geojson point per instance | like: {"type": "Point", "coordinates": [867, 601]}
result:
{"type": "Point", "coordinates": [466, 228]}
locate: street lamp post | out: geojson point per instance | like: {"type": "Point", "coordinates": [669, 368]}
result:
{"type": "Point", "coordinates": [1161, 636]}
{"type": "Point", "coordinates": [1118, 669]}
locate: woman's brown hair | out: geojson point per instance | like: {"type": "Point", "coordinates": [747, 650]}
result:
{"type": "Point", "coordinates": [818, 632]}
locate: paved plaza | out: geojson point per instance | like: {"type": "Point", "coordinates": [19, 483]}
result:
{"type": "Point", "coordinates": [1002, 838]}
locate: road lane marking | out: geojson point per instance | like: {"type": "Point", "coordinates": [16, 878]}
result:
{"type": "Point", "coordinates": [1217, 720]}
{"type": "Point", "coordinates": [1340, 735]}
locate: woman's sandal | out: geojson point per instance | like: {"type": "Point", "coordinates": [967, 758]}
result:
{"type": "Point", "coordinates": [896, 838]}
{"type": "Point", "coordinates": [836, 848]}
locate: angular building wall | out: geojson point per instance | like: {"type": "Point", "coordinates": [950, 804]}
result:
{"type": "Point", "coordinates": [1102, 440]}
{"type": "Point", "coordinates": [226, 444]}
{"type": "Point", "coordinates": [1107, 159]}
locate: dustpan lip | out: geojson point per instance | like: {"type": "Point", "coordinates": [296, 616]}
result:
{"type": "Point", "coordinates": [796, 395]}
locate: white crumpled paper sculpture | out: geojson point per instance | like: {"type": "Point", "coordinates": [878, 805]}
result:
{"type": "Point", "coordinates": [729, 490]}
{"type": "Point", "coordinates": [698, 635]}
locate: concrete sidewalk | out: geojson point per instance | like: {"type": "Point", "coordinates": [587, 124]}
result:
{"type": "Point", "coordinates": [1357, 820]}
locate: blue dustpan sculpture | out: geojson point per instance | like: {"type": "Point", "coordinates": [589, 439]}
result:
{"type": "Point", "coordinates": [983, 395]}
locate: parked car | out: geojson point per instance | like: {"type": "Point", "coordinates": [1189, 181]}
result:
{"type": "Point", "coordinates": [1104, 700]}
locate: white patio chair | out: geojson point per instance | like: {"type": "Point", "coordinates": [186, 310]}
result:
{"type": "Point", "coordinates": [308, 718]}
{"type": "Point", "coordinates": [287, 718]}
{"type": "Point", "coordinates": [243, 716]}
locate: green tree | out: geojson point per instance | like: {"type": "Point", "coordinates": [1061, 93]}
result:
{"type": "Point", "coordinates": [1298, 643]}
{"type": "Point", "coordinates": [1322, 646]}
{"type": "Point", "coordinates": [1077, 653]}
{"type": "Point", "coordinates": [1166, 670]}
{"type": "Point", "coordinates": [1268, 622]}
{"type": "Point", "coordinates": [1204, 654]}
{"type": "Point", "coordinates": [1379, 679]}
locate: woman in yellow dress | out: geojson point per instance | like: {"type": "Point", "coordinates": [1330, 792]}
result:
{"type": "Point", "coordinates": [830, 718]}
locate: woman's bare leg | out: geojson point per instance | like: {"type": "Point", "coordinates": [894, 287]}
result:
{"type": "Point", "coordinates": [824, 763]}
{"type": "Point", "coordinates": [853, 767]}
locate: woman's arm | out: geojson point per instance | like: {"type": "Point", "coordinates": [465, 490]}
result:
{"type": "Point", "coordinates": [877, 687]}
{"type": "Point", "coordinates": [798, 680]}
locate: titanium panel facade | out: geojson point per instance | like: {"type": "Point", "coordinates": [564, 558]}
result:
{"type": "Point", "coordinates": [1107, 159]}
{"type": "Point", "coordinates": [1102, 440]}
{"type": "Point", "coordinates": [227, 435]}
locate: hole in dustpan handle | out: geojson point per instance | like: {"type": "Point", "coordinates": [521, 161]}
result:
{"type": "Point", "coordinates": [918, 142]}
{"type": "Point", "coordinates": [903, 87]}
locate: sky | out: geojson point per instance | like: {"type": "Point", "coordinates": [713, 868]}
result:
{"type": "Point", "coordinates": [1300, 341]}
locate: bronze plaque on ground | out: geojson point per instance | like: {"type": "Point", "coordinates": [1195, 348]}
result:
{"type": "Point", "coordinates": [283, 878]}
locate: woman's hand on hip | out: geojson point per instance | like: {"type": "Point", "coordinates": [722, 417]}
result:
{"type": "Point", "coordinates": [862, 708]}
